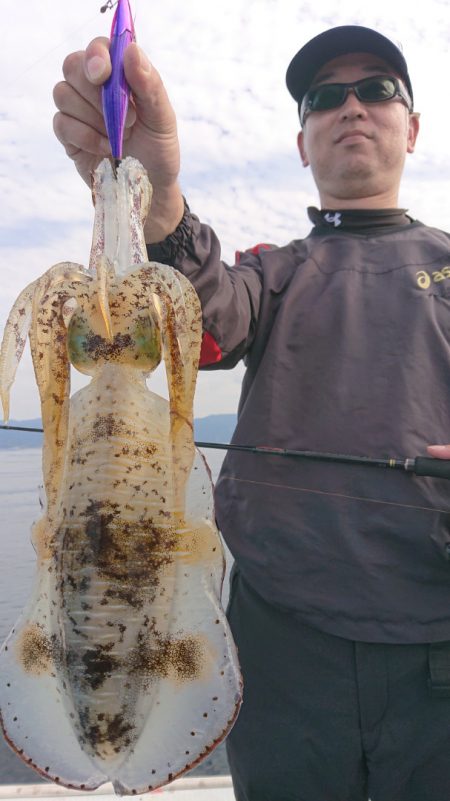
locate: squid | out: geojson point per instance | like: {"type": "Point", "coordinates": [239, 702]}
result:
{"type": "Point", "coordinates": [122, 667]}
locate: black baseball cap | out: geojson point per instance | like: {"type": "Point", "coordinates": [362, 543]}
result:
{"type": "Point", "coordinates": [337, 42]}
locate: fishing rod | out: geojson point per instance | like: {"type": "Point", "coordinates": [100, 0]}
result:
{"type": "Point", "coordinates": [22, 428]}
{"type": "Point", "coordinates": [419, 466]}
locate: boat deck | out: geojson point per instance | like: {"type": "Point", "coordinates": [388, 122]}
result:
{"type": "Point", "coordinates": [211, 788]}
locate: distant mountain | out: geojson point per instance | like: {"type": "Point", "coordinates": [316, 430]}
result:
{"type": "Point", "coordinates": [214, 428]}
{"type": "Point", "coordinates": [21, 439]}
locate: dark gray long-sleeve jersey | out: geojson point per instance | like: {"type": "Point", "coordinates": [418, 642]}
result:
{"type": "Point", "coordinates": [346, 340]}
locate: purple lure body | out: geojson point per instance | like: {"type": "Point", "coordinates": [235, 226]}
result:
{"type": "Point", "coordinates": [116, 92]}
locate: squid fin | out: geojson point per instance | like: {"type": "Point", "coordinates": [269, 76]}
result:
{"type": "Point", "coordinates": [201, 688]}
{"type": "Point", "coordinates": [31, 691]}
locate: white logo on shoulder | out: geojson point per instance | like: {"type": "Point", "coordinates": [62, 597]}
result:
{"type": "Point", "coordinates": [333, 218]}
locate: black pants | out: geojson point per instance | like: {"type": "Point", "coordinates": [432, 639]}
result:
{"type": "Point", "coordinates": [327, 719]}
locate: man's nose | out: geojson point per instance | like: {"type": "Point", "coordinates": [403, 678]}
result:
{"type": "Point", "coordinates": [352, 106]}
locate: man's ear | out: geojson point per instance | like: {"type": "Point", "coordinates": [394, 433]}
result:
{"type": "Point", "coordinates": [413, 131]}
{"type": "Point", "coordinates": [301, 149]}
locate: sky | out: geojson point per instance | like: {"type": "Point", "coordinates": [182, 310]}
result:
{"type": "Point", "coordinates": [241, 173]}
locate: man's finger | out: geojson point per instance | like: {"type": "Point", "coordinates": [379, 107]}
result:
{"type": "Point", "coordinates": [149, 94]}
{"type": "Point", "coordinates": [75, 76]}
{"type": "Point", "coordinates": [97, 63]}
{"type": "Point", "coordinates": [75, 135]}
{"type": "Point", "coordinates": [439, 451]}
{"type": "Point", "coordinates": [72, 104]}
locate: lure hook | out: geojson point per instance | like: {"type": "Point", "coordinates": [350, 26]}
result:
{"type": "Point", "coordinates": [107, 5]}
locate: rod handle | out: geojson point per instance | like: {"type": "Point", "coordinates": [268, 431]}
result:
{"type": "Point", "coordinates": [435, 468]}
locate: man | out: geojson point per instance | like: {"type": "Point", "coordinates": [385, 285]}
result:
{"type": "Point", "coordinates": [340, 601]}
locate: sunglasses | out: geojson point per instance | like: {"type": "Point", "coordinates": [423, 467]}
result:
{"type": "Point", "coordinates": [375, 89]}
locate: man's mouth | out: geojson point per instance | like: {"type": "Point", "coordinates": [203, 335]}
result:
{"type": "Point", "coordinates": [351, 134]}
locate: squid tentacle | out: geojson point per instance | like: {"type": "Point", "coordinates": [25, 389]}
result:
{"type": "Point", "coordinates": [14, 340]}
{"type": "Point", "coordinates": [19, 322]}
{"type": "Point", "coordinates": [48, 336]}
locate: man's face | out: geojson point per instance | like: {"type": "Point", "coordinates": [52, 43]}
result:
{"type": "Point", "coordinates": [357, 151]}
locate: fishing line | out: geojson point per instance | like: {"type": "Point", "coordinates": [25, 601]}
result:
{"type": "Point", "coordinates": [110, 4]}
{"type": "Point", "coordinates": [336, 495]}
{"type": "Point", "coordinates": [48, 53]}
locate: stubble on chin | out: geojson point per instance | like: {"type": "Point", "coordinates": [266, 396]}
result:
{"type": "Point", "coordinates": [348, 181]}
